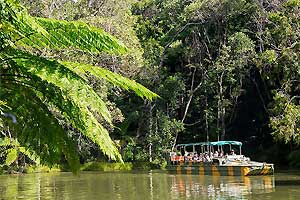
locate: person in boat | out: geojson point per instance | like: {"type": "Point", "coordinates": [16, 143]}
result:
{"type": "Point", "coordinates": [216, 154]}
{"type": "Point", "coordinates": [186, 156]}
{"type": "Point", "coordinates": [173, 157]}
{"type": "Point", "coordinates": [200, 158]}
{"type": "Point", "coordinates": [190, 157]}
{"type": "Point", "coordinates": [221, 154]}
{"type": "Point", "coordinates": [195, 157]}
{"type": "Point", "coordinates": [206, 157]}
{"type": "Point", "coordinates": [232, 152]}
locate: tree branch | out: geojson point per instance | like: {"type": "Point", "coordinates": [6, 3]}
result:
{"type": "Point", "coordinates": [162, 57]}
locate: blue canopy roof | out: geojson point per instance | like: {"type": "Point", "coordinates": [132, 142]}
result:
{"type": "Point", "coordinates": [219, 143]}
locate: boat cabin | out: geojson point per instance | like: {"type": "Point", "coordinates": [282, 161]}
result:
{"type": "Point", "coordinates": [206, 152]}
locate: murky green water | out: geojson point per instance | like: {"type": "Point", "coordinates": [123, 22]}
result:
{"type": "Point", "coordinates": [147, 185]}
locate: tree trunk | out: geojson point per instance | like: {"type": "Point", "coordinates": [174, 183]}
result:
{"type": "Point", "coordinates": [221, 109]}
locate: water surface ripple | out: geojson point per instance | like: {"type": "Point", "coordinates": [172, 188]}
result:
{"type": "Point", "coordinates": [147, 185]}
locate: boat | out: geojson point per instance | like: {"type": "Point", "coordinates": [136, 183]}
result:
{"type": "Point", "coordinates": [208, 158]}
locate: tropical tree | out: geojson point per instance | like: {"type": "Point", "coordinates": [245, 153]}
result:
{"type": "Point", "coordinates": [44, 94]}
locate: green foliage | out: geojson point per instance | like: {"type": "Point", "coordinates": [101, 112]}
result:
{"type": "Point", "coordinates": [78, 35]}
{"type": "Point", "coordinates": [113, 78]}
{"type": "Point", "coordinates": [232, 49]}
{"type": "Point", "coordinates": [45, 94]}
{"type": "Point", "coordinates": [13, 150]}
{"type": "Point", "coordinates": [42, 169]}
{"type": "Point", "coordinates": [100, 166]}
{"type": "Point", "coordinates": [286, 120]}
{"type": "Point", "coordinates": [2, 106]}
{"type": "Point", "coordinates": [128, 151]}
{"type": "Point", "coordinates": [11, 157]}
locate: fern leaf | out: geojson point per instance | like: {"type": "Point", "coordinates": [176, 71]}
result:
{"type": "Point", "coordinates": [112, 77]}
{"type": "Point", "coordinates": [34, 32]}
{"type": "Point", "coordinates": [38, 130]}
{"type": "Point", "coordinates": [12, 155]}
{"type": "Point", "coordinates": [69, 82]}
{"type": "Point", "coordinates": [77, 114]}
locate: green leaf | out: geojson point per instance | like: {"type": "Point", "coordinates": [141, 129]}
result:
{"type": "Point", "coordinates": [31, 155]}
{"type": "Point", "coordinates": [39, 33]}
{"type": "Point", "coordinates": [111, 77]}
{"type": "Point", "coordinates": [55, 73]}
{"type": "Point", "coordinates": [12, 155]}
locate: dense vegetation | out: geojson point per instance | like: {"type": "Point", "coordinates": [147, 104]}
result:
{"type": "Point", "coordinates": [226, 70]}
{"type": "Point", "coordinates": [47, 95]}
{"type": "Point", "coordinates": [223, 70]}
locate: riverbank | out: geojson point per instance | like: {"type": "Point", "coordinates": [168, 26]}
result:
{"type": "Point", "coordinates": [89, 166]}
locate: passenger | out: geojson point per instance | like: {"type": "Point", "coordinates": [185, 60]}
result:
{"type": "Point", "coordinates": [206, 157]}
{"type": "Point", "coordinates": [195, 157]}
{"type": "Point", "coordinates": [190, 157]}
{"type": "Point", "coordinates": [216, 154]}
{"type": "Point", "coordinates": [186, 153]}
{"type": "Point", "coordinates": [221, 154]}
{"type": "Point", "coordinates": [173, 157]}
{"type": "Point", "coordinates": [201, 158]}
{"type": "Point", "coordinates": [232, 152]}
{"type": "Point", "coordinates": [186, 156]}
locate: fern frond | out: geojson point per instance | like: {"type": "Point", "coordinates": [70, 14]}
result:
{"type": "Point", "coordinates": [69, 82]}
{"type": "Point", "coordinates": [74, 111]}
{"type": "Point", "coordinates": [34, 32]}
{"type": "Point", "coordinates": [81, 36]}
{"type": "Point", "coordinates": [37, 129]}
{"type": "Point", "coordinates": [41, 85]}
{"type": "Point", "coordinates": [111, 77]}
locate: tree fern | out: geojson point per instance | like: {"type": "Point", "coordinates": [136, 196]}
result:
{"type": "Point", "coordinates": [41, 92]}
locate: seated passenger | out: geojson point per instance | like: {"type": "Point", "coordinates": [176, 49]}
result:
{"type": "Point", "coordinates": [195, 157]}
{"type": "Point", "coordinates": [221, 154]}
{"type": "Point", "coordinates": [232, 152]}
{"type": "Point", "coordinates": [200, 159]}
{"type": "Point", "coordinates": [216, 154]}
{"type": "Point", "coordinates": [206, 157]}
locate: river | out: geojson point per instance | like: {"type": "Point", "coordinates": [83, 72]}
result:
{"type": "Point", "coordinates": [147, 185]}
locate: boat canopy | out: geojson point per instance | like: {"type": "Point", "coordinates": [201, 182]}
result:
{"type": "Point", "coordinates": [219, 143]}
{"type": "Point", "coordinates": [193, 144]}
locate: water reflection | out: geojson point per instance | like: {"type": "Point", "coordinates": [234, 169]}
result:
{"type": "Point", "coordinates": [219, 187]}
{"type": "Point", "coordinates": [148, 185]}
